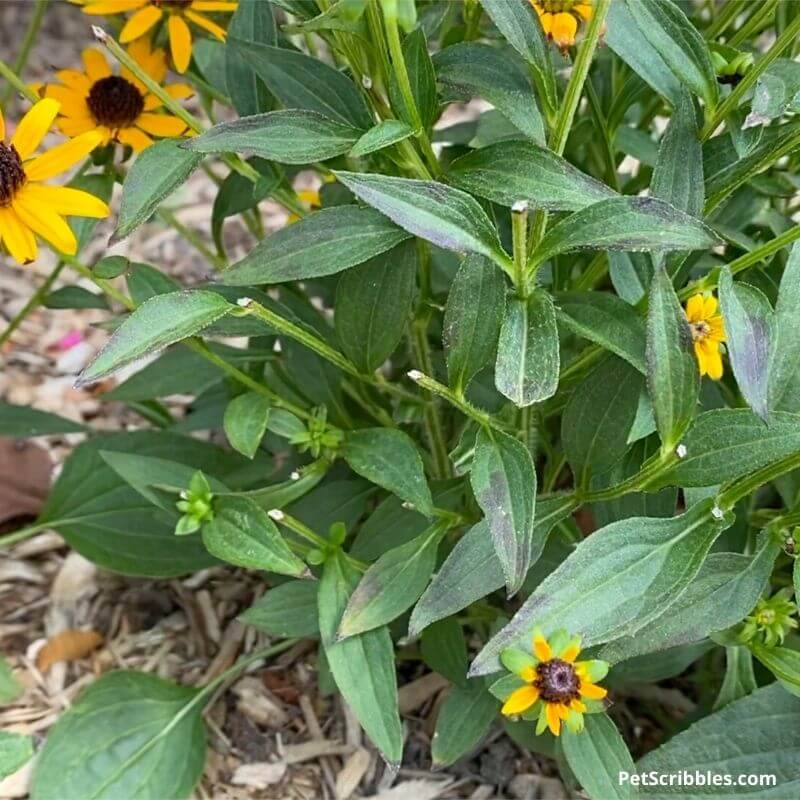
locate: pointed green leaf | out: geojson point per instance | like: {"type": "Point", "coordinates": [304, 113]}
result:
{"type": "Point", "coordinates": [157, 172]}
{"type": "Point", "coordinates": [528, 359]}
{"type": "Point", "coordinates": [508, 172]}
{"type": "Point", "coordinates": [445, 216]}
{"type": "Point", "coordinates": [783, 663]}
{"type": "Point", "coordinates": [157, 323]}
{"type": "Point", "coordinates": [24, 421]}
{"type": "Point", "coordinates": [615, 582]}
{"type": "Point", "coordinates": [784, 367]}
{"type": "Point", "coordinates": [245, 422]}
{"type": "Point", "coordinates": [749, 329]}
{"type": "Point", "coordinates": [472, 319]}
{"type": "Point", "coordinates": [444, 650]}
{"type": "Point", "coordinates": [289, 609]}
{"type": "Point", "coordinates": [673, 378]}
{"type": "Point", "coordinates": [384, 134]}
{"type": "Point", "coordinates": [289, 137]}
{"type": "Point", "coordinates": [390, 459]}
{"type": "Point", "coordinates": [242, 534]}
{"type": "Point", "coordinates": [740, 680]}
{"type": "Point", "coordinates": [363, 665]}
{"type": "Point", "coordinates": [504, 481]}
{"type": "Point", "coordinates": [422, 78]}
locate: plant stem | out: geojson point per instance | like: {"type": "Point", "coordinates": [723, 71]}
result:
{"type": "Point", "coordinates": [23, 533]}
{"type": "Point", "coordinates": [33, 303]}
{"type": "Point", "coordinates": [14, 81]}
{"type": "Point", "coordinates": [192, 237]}
{"type": "Point", "coordinates": [298, 527]}
{"type": "Point", "coordinates": [30, 37]}
{"type": "Point", "coordinates": [650, 470]}
{"type": "Point", "coordinates": [519, 232]}
{"type": "Point", "coordinates": [731, 102]}
{"type": "Point", "coordinates": [735, 491]}
{"type": "Point", "coordinates": [728, 13]}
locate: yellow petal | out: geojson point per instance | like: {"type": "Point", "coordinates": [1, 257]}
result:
{"type": "Point", "coordinates": [106, 7]}
{"type": "Point", "coordinates": [714, 364]}
{"type": "Point", "coordinates": [47, 223]}
{"type": "Point", "coordinates": [214, 5]}
{"type": "Point", "coordinates": [72, 103]}
{"type": "Point", "coordinates": [180, 91]}
{"type": "Point", "coordinates": [570, 652]}
{"type": "Point", "coordinates": [553, 719]}
{"type": "Point", "coordinates": [140, 23]}
{"type": "Point", "coordinates": [16, 236]}
{"type": "Point", "coordinates": [96, 64]}
{"type": "Point", "coordinates": [520, 700]}
{"type": "Point", "coordinates": [592, 691]}
{"type": "Point", "coordinates": [709, 307]}
{"type": "Point", "coordinates": [62, 157]}
{"type": "Point", "coordinates": [2, 126]}
{"type": "Point", "coordinates": [717, 329]}
{"type": "Point", "coordinates": [160, 124]}
{"type": "Point", "coordinates": [64, 200]}
{"type": "Point", "coordinates": [541, 649]}
{"type": "Point", "coordinates": [207, 24]}
{"type": "Point", "coordinates": [75, 80]}
{"type": "Point", "coordinates": [75, 126]}
{"type": "Point", "coordinates": [562, 710]}
{"type": "Point", "coordinates": [563, 29]}
{"type": "Point", "coordinates": [694, 308]}
{"type": "Point", "coordinates": [180, 42]}
{"type": "Point", "coordinates": [153, 62]}
{"type": "Point", "coordinates": [576, 705]}
{"type": "Point", "coordinates": [547, 21]}
{"type": "Point", "coordinates": [528, 674]}
{"type": "Point", "coordinates": [134, 138]}
{"type": "Point", "coordinates": [700, 353]}
{"type": "Point", "coordinates": [33, 126]}
{"type": "Point", "coordinates": [584, 9]}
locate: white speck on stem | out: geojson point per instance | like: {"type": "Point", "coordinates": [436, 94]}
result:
{"type": "Point", "coordinates": [366, 82]}
{"type": "Point", "coordinates": [99, 34]}
{"type": "Point", "coordinates": [276, 514]}
{"type": "Point", "coordinates": [717, 512]}
{"type": "Point", "coordinates": [520, 207]}
{"type": "Point", "coordinates": [295, 476]}
{"type": "Point", "coordinates": [415, 375]}
{"type": "Point", "coordinates": [244, 302]}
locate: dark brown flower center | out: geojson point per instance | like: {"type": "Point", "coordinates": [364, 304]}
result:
{"type": "Point", "coordinates": [12, 175]}
{"type": "Point", "coordinates": [557, 681]}
{"type": "Point", "coordinates": [174, 5]}
{"type": "Point", "coordinates": [115, 102]}
{"type": "Point", "coordinates": [700, 330]}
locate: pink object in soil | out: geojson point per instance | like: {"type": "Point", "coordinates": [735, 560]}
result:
{"type": "Point", "coordinates": [69, 340]}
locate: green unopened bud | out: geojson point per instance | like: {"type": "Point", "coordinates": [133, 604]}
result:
{"type": "Point", "coordinates": [770, 620]}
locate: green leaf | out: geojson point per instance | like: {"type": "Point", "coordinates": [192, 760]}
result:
{"type": "Point", "coordinates": [783, 663]}
{"type": "Point", "coordinates": [625, 38]}
{"type": "Point", "coordinates": [373, 306]}
{"type": "Point", "coordinates": [740, 680]}
{"type": "Point", "coordinates": [757, 735]}
{"type": "Point", "coordinates": [110, 523]}
{"type": "Point", "coordinates": [678, 42]}
{"type": "Point", "coordinates": [599, 757]}
{"type": "Point", "coordinates": [723, 593]}
{"type": "Point", "coordinates": [605, 319]}
{"type": "Point", "coordinates": [129, 734]}
{"type": "Point", "coordinates": [24, 421]}
{"type": "Point", "coordinates": [472, 319]}
{"type": "Point", "coordinates": [464, 719]}
{"type": "Point", "coordinates": [384, 134]}
{"type": "Point", "coordinates": [472, 569]}
{"type": "Point", "coordinates": [156, 173]}
{"type": "Point", "coordinates": [301, 81]}
{"type": "Point", "coordinates": [242, 534]}
{"type": "Point", "coordinates": [471, 69]}
{"type": "Point", "coordinates": [528, 359]}
{"type": "Point", "coordinates": [287, 610]}
{"type": "Point", "coordinates": [390, 459]}
{"type": "Point", "coordinates": [598, 418]}
{"type": "Point", "coordinates": [74, 297]}
{"type": "Point", "coordinates": [363, 665]}
{"type": "Point", "coordinates": [10, 687]}
{"type": "Point", "coordinates": [392, 584]}
{"type": "Point", "coordinates": [252, 21]}
{"type": "Point", "coordinates": [630, 274]}
{"type": "Point", "coordinates": [445, 216]}
{"type": "Point", "coordinates": [422, 78]}
{"type": "Point", "coordinates": [615, 582]}
{"type": "Point", "coordinates": [749, 330]}
{"type": "Point", "coordinates": [145, 282]}
{"type": "Point", "coordinates": [245, 422]}
{"type": "Point", "coordinates": [444, 650]}
{"type": "Point", "coordinates": [626, 223]}
{"type": "Point", "coordinates": [678, 176]}
{"type": "Point", "coordinates": [673, 378]}
{"type": "Point", "coordinates": [289, 137]}
{"type": "Point", "coordinates": [110, 267]}
{"type": "Point", "coordinates": [504, 482]}
{"type": "Point", "coordinates": [727, 443]}
{"type": "Point", "coordinates": [100, 185]}
{"type": "Point", "coordinates": [157, 323]}
{"type": "Point", "coordinates": [784, 367]}
{"type": "Point", "coordinates": [776, 92]}
{"type": "Point", "coordinates": [323, 243]}
{"type": "Point", "coordinates": [508, 172]}
{"type": "Point", "coordinates": [15, 751]}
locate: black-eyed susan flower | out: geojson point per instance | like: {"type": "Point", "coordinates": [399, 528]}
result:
{"type": "Point", "coordinates": [708, 333]}
{"type": "Point", "coordinates": [27, 205]}
{"type": "Point", "coordinates": [560, 18]}
{"type": "Point", "coordinates": [118, 107]}
{"type": "Point", "coordinates": [549, 685]}
{"type": "Point", "coordinates": [179, 13]}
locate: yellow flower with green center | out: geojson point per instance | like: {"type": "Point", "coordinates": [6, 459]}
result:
{"type": "Point", "coordinates": [179, 13]}
{"type": "Point", "coordinates": [549, 685]}
{"type": "Point", "coordinates": [560, 18]}
{"type": "Point", "coordinates": [708, 333]}
{"type": "Point", "coordinates": [27, 205]}
{"type": "Point", "coordinates": [118, 107]}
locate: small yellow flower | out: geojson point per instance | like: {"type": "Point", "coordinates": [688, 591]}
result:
{"type": "Point", "coordinates": [27, 205]}
{"type": "Point", "coordinates": [119, 107]}
{"type": "Point", "coordinates": [560, 18]}
{"type": "Point", "coordinates": [708, 332]}
{"type": "Point", "coordinates": [550, 685]}
{"type": "Point", "coordinates": [147, 13]}
{"type": "Point", "coordinates": [310, 198]}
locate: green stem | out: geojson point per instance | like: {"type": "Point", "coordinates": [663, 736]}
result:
{"type": "Point", "coordinates": [14, 82]}
{"type": "Point", "coordinates": [298, 527]}
{"type": "Point", "coordinates": [27, 43]}
{"type": "Point", "coordinates": [757, 21]}
{"type": "Point", "coordinates": [23, 533]}
{"type": "Point", "coordinates": [519, 232]}
{"type": "Point", "coordinates": [734, 492]}
{"type": "Point", "coordinates": [34, 302]}
{"type": "Point", "coordinates": [193, 238]}
{"type": "Point", "coordinates": [731, 102]}
{"type": "Point", "coordinates": [650, 470]}
{"type": "Point", "coordinates": [728, 13]}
